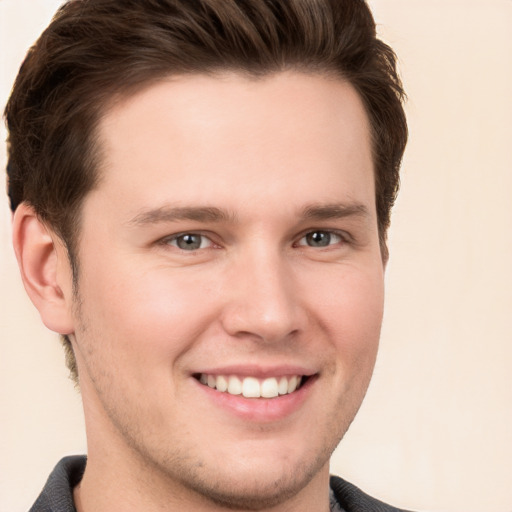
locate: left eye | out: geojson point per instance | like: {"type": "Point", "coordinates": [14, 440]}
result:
{"type": "Point", "coordinates": [189, 242]}
{"type": "Point", "coordinates": [320, 239]}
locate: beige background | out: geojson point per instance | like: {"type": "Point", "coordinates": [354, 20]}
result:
{"type": "Point", "coordinates": [435, 432]}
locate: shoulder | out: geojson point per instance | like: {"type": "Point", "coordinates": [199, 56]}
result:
{"type": "Point", "coordinates": [57, 494]}
{"type": "Point", "coordinates": [352, 499]}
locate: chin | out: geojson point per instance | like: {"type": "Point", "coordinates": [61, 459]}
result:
{"type": "Point", "coordinates": [255, 490]}
{"type": "Point", "coordinates": [251, 482]}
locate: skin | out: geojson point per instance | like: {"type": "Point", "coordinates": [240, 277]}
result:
{"type": "Point", "coordinates": [274, 159]}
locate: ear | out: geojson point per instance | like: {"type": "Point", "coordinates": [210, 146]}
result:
{"type": "Point", "coordinates": [45, 269]}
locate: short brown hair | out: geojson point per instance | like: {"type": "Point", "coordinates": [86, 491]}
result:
{"type": "Point", "coordinates": [95, 50]}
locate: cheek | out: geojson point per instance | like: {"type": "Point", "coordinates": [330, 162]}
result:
{"type": "Point", "coordinates": [152, 314]}
{"type": "Point", "coordinates": [350, 308]}
{"type": "Point", "coordinates": [350, 297]}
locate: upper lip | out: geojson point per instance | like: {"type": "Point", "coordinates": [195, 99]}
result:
{"type": "Point", "coordinates": [258, 371]}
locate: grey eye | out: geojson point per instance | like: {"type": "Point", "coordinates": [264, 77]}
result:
{"type": "Point", "coordinates": [320, 239]}
{"type": "Point", "coordinates": [190, 242]}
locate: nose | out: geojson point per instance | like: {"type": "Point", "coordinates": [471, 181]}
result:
{"type": "Point", "coordinates": [262, 300]}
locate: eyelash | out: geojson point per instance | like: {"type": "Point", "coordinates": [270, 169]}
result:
{"type": "Point", "coordinates": [174, 238]}
{"type": "Point", "coordinates": [342, 238]}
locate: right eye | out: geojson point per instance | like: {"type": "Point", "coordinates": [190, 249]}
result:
{"type": "Point", "coordinates": [189, 241]}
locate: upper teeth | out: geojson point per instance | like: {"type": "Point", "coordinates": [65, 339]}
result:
{"type": "Point", "coordinates": [251, 387]}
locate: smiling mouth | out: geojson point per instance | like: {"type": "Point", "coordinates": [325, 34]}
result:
{"type": "Point", "coordinates": [252, 387]}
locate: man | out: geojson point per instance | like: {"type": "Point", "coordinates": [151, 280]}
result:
{"type": "Point", "coordinates": [201, 192]}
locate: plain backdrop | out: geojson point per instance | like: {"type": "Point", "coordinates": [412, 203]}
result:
{"type": "Point", "coordinates": [435, 431]}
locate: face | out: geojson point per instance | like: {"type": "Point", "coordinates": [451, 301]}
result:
{"type": "Point", "coordinates": [231, 284]}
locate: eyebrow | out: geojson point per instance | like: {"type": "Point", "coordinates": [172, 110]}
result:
{"type": "Point", "coordinates": [172, 214]}
{"type": "Point", "coordinates": [213, 214]}
{"type": "Point", "coordinates": [335, 211]}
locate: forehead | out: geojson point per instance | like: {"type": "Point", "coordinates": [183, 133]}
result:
{"type": "Point", "coordinates": [192, 133]}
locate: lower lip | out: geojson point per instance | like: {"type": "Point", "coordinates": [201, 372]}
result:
{"type": "Point", "coordinates": [261, 410]}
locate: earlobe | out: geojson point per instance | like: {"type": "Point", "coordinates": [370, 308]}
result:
{"type": "Point", "coordinates": [45, 269]}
